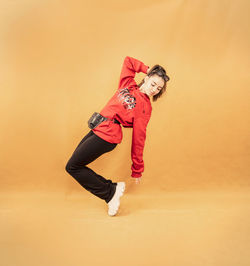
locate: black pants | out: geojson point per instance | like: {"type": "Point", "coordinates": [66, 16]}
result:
{"type": "Point", "coordinates": [90, 148]}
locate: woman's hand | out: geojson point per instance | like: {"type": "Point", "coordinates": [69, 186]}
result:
{"type": "Point", "coordinates": [148, 70]}
{"type": "Point", "coordinates": [137, 180]}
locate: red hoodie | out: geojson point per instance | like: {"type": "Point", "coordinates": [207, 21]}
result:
{"type": "Point", "coordinates": [132, 109]}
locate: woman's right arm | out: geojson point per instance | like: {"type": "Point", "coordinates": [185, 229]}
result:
{"type": "Point", "coordinates": [129, 68]}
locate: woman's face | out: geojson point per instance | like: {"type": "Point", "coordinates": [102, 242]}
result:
{"type": "Point", "coordinates": [152, 85]}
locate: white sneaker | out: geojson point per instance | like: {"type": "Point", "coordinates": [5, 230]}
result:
{"type": "Point", "coordinates": [114, 203]}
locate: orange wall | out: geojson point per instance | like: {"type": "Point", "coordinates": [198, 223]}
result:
{"type": "Point", "coordinates": [61, 62]}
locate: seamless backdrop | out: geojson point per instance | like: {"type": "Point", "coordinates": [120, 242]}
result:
{"type": "Point", "coordinates": [61, 61]}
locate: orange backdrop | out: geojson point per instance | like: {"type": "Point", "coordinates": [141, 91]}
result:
{"type": "Point", "coordinates": [60, 62]}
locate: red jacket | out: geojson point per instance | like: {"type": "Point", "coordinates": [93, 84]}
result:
{"type": "Point", "coordinates": [131, 108]}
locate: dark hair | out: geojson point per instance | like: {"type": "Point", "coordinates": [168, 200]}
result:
{"type": "Point", "coordinates": [161, 72]}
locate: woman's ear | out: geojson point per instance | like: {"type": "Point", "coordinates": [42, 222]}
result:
{"type": "Point", "coordinates": [146, 78]}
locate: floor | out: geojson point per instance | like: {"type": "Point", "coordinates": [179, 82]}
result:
{"type": "Point", "coordinates": [179, 229]}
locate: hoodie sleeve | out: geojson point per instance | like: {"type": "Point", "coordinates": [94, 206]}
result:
{"type": "Point", "coordinates": [129, 68]}
{"type": "Point", "coordinates": [138, 141]}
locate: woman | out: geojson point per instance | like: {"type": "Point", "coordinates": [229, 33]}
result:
{"type": "Point", "coordinates": [130, 107]}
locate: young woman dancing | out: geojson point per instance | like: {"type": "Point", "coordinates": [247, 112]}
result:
{"type": "Point", "coordinates": [130, 107]}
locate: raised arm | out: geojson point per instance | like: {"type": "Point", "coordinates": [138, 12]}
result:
{"type": "Point", "coordinates": [129, 68]}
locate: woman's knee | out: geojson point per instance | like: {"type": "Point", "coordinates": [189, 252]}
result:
{"type": "Point", "coordinates": [71, 166]}
{"type": "Point", "coordinates": [68, 167]}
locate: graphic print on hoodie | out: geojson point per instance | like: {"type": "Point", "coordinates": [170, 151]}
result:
{"type": "Point", "coordinates": [127, 99]}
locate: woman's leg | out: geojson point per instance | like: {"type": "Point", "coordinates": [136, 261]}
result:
{"type": "Point", "coordinates": [87, 136]}
{"type": "Point", "coordinates": [89, 149]}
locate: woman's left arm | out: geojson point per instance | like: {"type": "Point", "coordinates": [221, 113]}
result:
{"type": "Point", "coordinates": [138, 142]}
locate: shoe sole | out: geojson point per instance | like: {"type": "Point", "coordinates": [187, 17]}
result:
{"type": "Point", "coordinates": [121, 192]}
